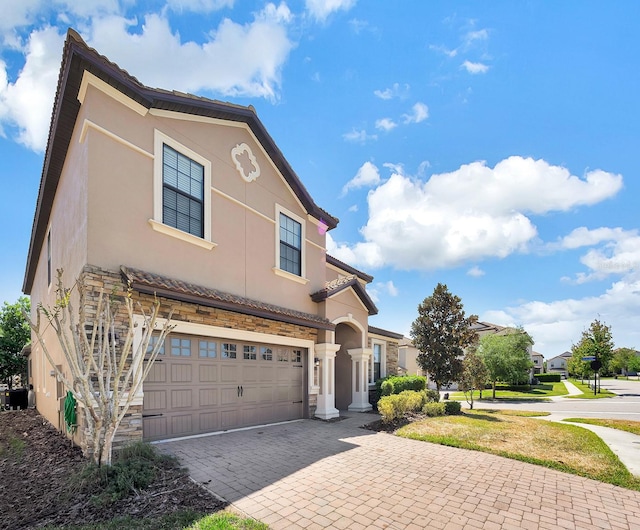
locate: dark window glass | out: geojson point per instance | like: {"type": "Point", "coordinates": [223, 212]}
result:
{"type": "Point", "coordinates": [290, 245]}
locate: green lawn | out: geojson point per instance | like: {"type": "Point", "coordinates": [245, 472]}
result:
{"type": "Point", "coordinates": [559, 446]}
{"type": "Point", "coordinates": [538, 392]}
{"type": "Point", "coordinates": [623, 425]}
{"type": "Point", "coordinates": [587, 392]}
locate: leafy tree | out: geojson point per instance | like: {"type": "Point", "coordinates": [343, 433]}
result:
{"type": "Point", "coordinates": [634, 365]}
{"type": "Point", "coordinates": [597, 341]}
{"type": "Point", "coordinates": [621, 359]}
{"type": "Point", "coordinates": [107, 371]}
{"type": "Point", "coordinates": [506, 357]}
{"type": "Point", "coordinates": [575, 365]}
{"type": "Point", "coordinates": [441, 333]}
{"type": "Point", "coordinates": [14, 335]}
{"type": "Point", "coordinates": [474, 376]}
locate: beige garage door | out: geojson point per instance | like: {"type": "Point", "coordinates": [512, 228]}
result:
{"type": "Point", "coordinates": [200, 384]}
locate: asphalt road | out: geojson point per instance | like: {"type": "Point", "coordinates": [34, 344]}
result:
{"type": "Point", "coordinates": [625, 405]}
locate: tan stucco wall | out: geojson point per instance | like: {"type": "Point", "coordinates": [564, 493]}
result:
{"type": "Point", "coordinates": [121, 203]}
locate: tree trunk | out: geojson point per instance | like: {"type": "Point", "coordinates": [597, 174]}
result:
{"type": "Point", "coordinates": [494, 390]}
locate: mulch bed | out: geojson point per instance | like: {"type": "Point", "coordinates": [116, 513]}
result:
{"type": "Point", "coordinates": [36, 463]}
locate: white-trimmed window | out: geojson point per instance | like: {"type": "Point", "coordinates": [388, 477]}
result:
{"type": "Point", "coordinates": [290, 244]}
{"type": "Point", "coordinates": [182, 191]}
{"type": "Point", "coordinates": [377, 366]}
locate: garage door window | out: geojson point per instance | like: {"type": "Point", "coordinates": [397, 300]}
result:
{"type": "Point", "coordinates": [153, 340]}
{"type": "Point", "coordinates": [228, 350]}
{"type": "Point", "coordinates": [283, 355]}
{"type": "Point", "coordinates": [297, 356]}
{"type": "Point", "coordinates": [250, 353]}
{"type": "Point", "coordinates": [181, 347]}
{"type": "Point", "coordinates": [208, 349]}
{"type": "Point", "coordinates": [266, 353]}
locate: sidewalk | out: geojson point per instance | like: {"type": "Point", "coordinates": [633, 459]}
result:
{"type": "Point", "coordinates": [624, 444]}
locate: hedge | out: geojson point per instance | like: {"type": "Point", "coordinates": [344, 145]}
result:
{"type": "Point", "coordinates": [399, 383]}
{"type": "Point", "coordinates": [548, 378]}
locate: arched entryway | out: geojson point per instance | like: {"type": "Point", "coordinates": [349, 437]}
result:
{"type": "Point", "coordinates": [349, 337]}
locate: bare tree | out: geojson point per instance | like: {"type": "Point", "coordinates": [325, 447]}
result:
{"type": "Point", "coordinates": [107, 370]}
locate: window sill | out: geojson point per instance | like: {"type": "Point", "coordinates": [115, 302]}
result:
{"type": "Point", "coordinates": [288, 275]}
{"type": "Point", "coordinates": [179, 234]}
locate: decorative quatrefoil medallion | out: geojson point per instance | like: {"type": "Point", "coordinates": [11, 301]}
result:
{"type": "Point", "coordinates": [245, 162]}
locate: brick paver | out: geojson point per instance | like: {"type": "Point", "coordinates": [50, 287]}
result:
{"type": "Point", "coordinates": [312, 474]}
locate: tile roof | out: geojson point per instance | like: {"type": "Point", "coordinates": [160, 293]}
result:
{"type": "Point", "coordinates": [385, 333]}
{"type": "Point", "coordinates": [335, 286]}
{"type": "Point", "coordinates": [348, 268]}
{"type": "Point", "coordinates": [174, 289]}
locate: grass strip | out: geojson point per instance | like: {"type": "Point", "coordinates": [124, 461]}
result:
{"type": "Point", "coordinates": [587, 392]}
{"type": "Point", "coordinates": [536, 392]}
{"type": "Point", "coordinates": [567, 448]}
{"type": "Point", "coordinates": [622, 425]}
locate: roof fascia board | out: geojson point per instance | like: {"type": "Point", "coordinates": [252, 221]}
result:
{"type": "Point", "coordinates": [89, 79]}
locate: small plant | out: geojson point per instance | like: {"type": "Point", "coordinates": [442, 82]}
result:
{"type": "Point", "coordinates": [452, 407]}
{"type": "Point", "coordinates": [395, 406]}
{"type": "Point", "coordinates": [430, 396]}
{"type": "Point", "coordinates": [434, 409]}
{"type": "Point", "coordinates": [134, 467]}
{"type": "Point", "coordinates": [399, 383]}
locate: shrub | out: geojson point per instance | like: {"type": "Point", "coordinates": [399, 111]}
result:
{"type": "Point", "coordinates": [395, 384]}
{"type": "Point", "coordinates": [548, 378]}
{"type": "Point", "coordinates": [395, 406]}
{"type": "Point", "coordinates": [434, 409]}
{"type": "Point", "coordinates": [431, 396]}
{"type": "Point", "coordinates": [452, 407]}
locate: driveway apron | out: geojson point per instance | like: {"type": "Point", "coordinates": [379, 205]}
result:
{"type": "Point", "coordinates": [313, 474]}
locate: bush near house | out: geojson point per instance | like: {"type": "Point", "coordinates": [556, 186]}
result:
{"type": "Point", "coordinates": [548, 378]}
{"type": "Point", "coordinates": [395, 384]}
{"type": "Point", "coordinates": [395, 406]}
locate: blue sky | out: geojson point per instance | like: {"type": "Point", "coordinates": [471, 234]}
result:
{"type": "Point", "coordinates": [490, 146]}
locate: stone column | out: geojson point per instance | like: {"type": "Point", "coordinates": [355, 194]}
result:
{"type": "Point", "coordinates": [326, 355]}
{"type": "Point", "coordinates": [360, 379]}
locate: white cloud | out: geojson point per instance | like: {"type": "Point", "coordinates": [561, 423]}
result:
{"type": "Point", "coordinates": [386, 124]}
{"type": "Point", "coordinates": [359, 136]}
{"type": "Point", "coordinates": [378, 289]}
{"type": "Point", "coordinates": [353, 208]}
{"type": "Point", "coordinates": [247, 59]}
{"type": "Point", "coordinates": [469, 214]}
{"type": "Point", "coordinates": [420, 112]}
{"type": "Point", "coordinates": [472, 36]}
{"type": "Point", "coordinates": [475, 68]}
{"type": "Point", "coordinates": [395, 91]}
{"type": "Point", "coordinates": [199, 6]}
{"type": "Point", "coordinates": [475, 271]}
{"type": "Point", "coordinates": [321, 9]}
{"type": "Point", "coordinates": [26, 103]}
{"type": "Point", "coordinates": [618, 251]}
{"type": "Point", "coordinates": [367, 176]}
{"type": "Point", "coordinates": [556, 325]}
{"type": "Point", "coordinates": [444, 50]}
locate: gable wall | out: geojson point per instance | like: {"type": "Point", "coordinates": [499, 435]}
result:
{"type": "Point", "coordinates": [121, 203]}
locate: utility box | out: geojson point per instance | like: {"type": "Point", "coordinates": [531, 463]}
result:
{"type": "Point", "coordinates": [15, 399]}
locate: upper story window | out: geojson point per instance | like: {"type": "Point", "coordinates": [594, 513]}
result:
{"type": "Point", "coordinates": [290, 245]}
{"type": "Point", "coordinates": [182, 192]}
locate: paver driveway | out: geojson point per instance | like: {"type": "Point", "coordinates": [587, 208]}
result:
{"type": "Point", "coordinates": [311, 474]}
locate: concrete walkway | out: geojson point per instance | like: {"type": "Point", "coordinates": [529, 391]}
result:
{"type": "Point", "coordinates": [311, 474]}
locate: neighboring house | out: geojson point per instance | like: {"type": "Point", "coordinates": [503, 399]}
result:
{"type": "Point", "coordinates": [558, 364]}
{"type": "Point", "coordinates": [189, 200]}
{"type": "Point", "coordinates": [538, 362]}
{"type": "Point", "coordinates": [407, 358]}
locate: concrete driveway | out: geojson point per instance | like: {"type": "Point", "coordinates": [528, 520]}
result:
{"type": "Point", "coordinates": [311, 474]}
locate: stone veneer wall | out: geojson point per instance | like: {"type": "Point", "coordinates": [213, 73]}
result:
{"type": "Point", "coordinates": [391, 350]}
{"type": "Point", "coordinates": [95, 280]}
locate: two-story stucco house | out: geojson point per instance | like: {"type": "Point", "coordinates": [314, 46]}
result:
{"type": "Point", "coordinates": [190, 200]}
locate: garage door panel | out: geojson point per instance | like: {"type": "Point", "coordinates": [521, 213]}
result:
{"type": "Point", "coordinates": [208, 373]}
{"type": "Point", "coordinates": [155, 400]}
{"type": "Point", "coordinates": [158, 373]}
{"type": "Point", "coordinates": [181, 398]}
{"type": "Point", "coordinates": [155, 427]}
{"type": "Point", "coordinates": [229, 419]}
{"type": "Point", "coordinates": [181, 373]}
{"type": "Point", "coordinates": [209, 421]}
{"type": "Point", "coordinates": [267, 373]}
{"type": "Point", "coordinates": [228, 395]}
{"type": "Point", "coordinates": [250, 374]}
{"type": "Point", "coordinates": [229, 372]}
{"type": "Point", "coordinates": [208, 397]}
{"type": "Point", "coordinates": [181, 424]}
{"type": "Point", "coordinates": [265, 394]}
